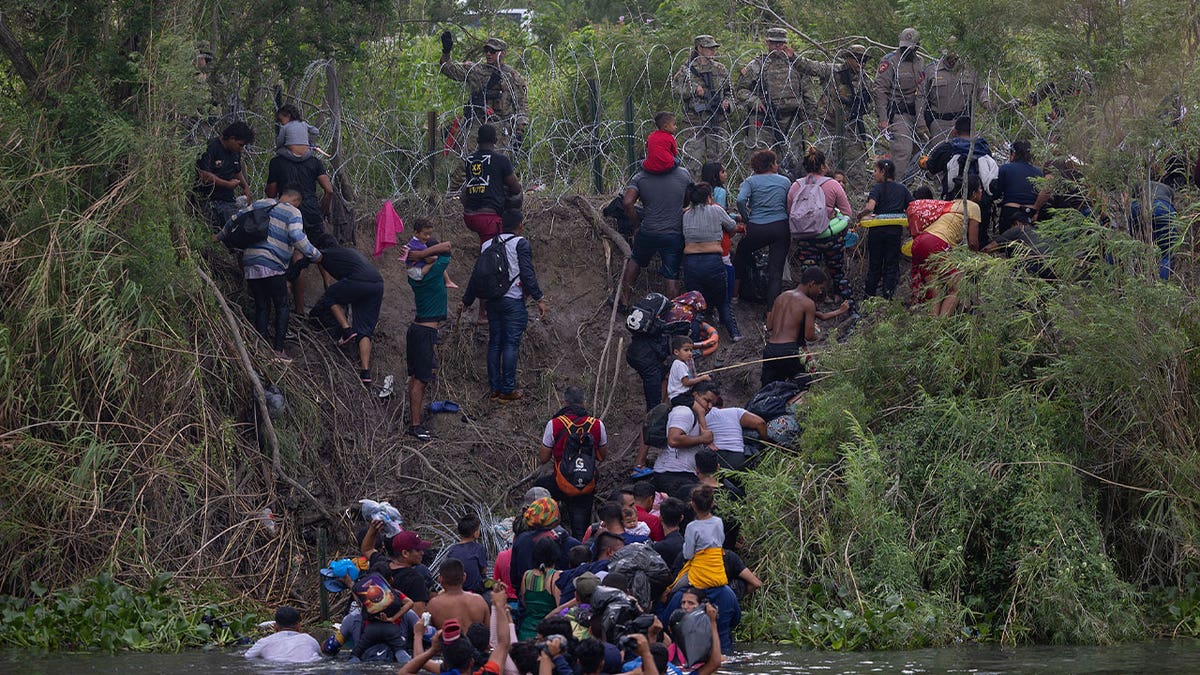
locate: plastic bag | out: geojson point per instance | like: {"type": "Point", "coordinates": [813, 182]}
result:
{"type": "Point", "coordinates": [383, 511]}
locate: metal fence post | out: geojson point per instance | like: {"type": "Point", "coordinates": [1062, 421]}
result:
{"type": "Point", "coordinates": [597, 166]}
{"type": "Point", "coordinates": [630, 157]}
{"type": "Point", "coordinates": [432, 124]}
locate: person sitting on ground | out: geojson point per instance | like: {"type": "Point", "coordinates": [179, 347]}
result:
{"type": "Point", "coordinates": [539, 594]}
{"type": "Point", "coordinates": [358, 288]}
{"type": "Point", "coordinates": [672, 512]}
{"type": "Point", "coordinates": [418, 259]}
{"type": "Point", "coordinates": [682, 376]}
{"type": "Point", "coordinates": [642, 494]}
{"type": "Point", "coordinates": [453, 602]}
{"type": "Point", "coordinates": [792, 324]}
{"type": "Point", "coordinates": [287, 644]}
{"type": "Point", "coordinates": [264, 265]}
{"type": "Point", "coordinates": [662, 152]}
{"type": "Point", "coordinates": [402, 575]}
{"type": "Point", "coordinates": [458, 654]}
{"type": "Point", "coordinates": [471, 553]}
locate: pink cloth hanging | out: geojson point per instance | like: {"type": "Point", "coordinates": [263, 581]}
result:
{"type": "Point", "coordinates": [388, 227]}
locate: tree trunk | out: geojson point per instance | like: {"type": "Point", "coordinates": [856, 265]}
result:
{"type": "Point", "coordinates": [341, 214]}
{"type": "Point", "coordinates": [20, 60]}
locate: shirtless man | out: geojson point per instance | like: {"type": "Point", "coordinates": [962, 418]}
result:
{"type": "Point", "coordinates": [794, 311]}
{"type": "Point", "coordinates": [455, 603]}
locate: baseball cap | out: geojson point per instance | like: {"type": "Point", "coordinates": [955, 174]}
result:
{"type": "Point", "coordinates": [408, 541]}
{"type": "Point", "coordinates": [585, 585]}
{"type": "Point", "coordinates": [533, 494]}
{"type": "Point", "coordinates": [495, 44]}
{"type": "Point", "coordinates": [706, 41]}
{"type": "Point", "coordinates": [909, 37]}
{"type": "Point", "coordinates": [451, 631]}
{"type": "Point", "coordinates": [776, 35]}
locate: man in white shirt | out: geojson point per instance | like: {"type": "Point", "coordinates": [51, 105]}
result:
{"type": "Point", "coordinates": [686, 435]}
{"type": "Point", "coordinates": [287, 644]}
{"type": "Point", "coordinates": [727, 426]}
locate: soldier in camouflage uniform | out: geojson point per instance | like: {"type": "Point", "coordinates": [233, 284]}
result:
{"type": "Point", "coordinates": [704, 87]}
{"type": "Point", "coordinates": [897, 83]}
{"type": "Point", "coordinates": [496, 96]}
{"type": "Point", "coordinates": [846, 103]}
{"type": "Point", "coordinates": [948, 92]}
{"type": "Point", "coordinates": [771, 88]}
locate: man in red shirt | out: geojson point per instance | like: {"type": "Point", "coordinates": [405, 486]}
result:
{"type": "Point", "coordinates": [569, 426]}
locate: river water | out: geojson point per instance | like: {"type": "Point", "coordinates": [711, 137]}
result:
{"type": "Point", "coordinates": [1175, 656]}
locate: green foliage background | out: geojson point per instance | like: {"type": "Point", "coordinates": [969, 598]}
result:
{"type": "Point", "coordinates": [1025, 471]}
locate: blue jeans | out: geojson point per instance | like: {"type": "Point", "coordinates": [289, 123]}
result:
{"type": "Point", "coordinates": [705, 272]}
{"type": "Point", "coordinates": [507, 318]}
{"type": "Point", "coordinates": [668, 246]}
{"type": "Point", "coordinates": [729, 612]}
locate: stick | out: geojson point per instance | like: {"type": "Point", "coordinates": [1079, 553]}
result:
{"type": "Point", "coordinates": [598, 221]}
{"type": "Point", "coordinates": [749, 363]}
{"type": "Point", "coordinates": [260, 396]}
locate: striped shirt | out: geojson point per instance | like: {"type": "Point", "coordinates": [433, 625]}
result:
{"type": "Point", "coordinates": [285, 232]}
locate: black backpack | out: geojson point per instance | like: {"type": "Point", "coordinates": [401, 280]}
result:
{"type": "Point", "coordinates": [492, 276]}
{"type": "Point", "coordinates": [754, 289]}
{"type": "Point", "coordinates": [772, 400]}
{"type": "Point", "coordinates": [249, 227]}
{"type": "Point", "coordinates": [575, 473]}
{"type": "Point", "coordinates": [646, 315]}
{"type": "Point", "coordinates": [654, 427]}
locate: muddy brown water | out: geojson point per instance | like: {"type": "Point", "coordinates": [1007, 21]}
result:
{"type": "Point", "coordinates": [1174, 656]}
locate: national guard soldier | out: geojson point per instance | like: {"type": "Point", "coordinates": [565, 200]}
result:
{"type": "Point", "coordinates": [949, 91]}
{"type": "Point", "coordinates": [771, 88]}
{"type": "Point", "coordinates": [705, 89]}
{"type": "Point", "coordinates": [897, 83]}
{"type": "Point", "coordinates": [846, 102]}
{"type": "Point", "coordinates": [496, 95]}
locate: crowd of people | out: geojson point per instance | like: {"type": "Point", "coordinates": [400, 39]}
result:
{"type": "Point", "coordinates": [649, 580]}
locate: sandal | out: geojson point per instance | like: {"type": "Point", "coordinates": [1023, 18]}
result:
{"type": "Point", "coordinates": [348, 336]}
{"type": "Point", "coordinates": [364, 376]}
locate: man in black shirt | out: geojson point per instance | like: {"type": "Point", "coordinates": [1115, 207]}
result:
{"type": "Point", "coordinates": [490, 182]}
{"type": "Point", "coordinates": [299, 169]}
{"type": "Point", "coordinates": [359, 288]}
{"type": "Point", "coordinates": [671, 513]}
{"type": "Point", "coordinates": [219, 171]}
{"type": "Point", "coordinates": [407, 550]}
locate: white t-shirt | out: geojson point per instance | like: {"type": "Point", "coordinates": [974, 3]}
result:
{"type": "Point", "coordinates": [683, 460]}
{"type": "Point", "coordinates": [726, 427]}
{"type": "Point", "coordinates": [286, 646]}
{"type": "Point", "coordinates": [548, 433]}
{"type": "Point", "coordinates": [675, 385]}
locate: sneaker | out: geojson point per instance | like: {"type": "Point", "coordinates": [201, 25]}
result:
{"type": "Point", "coordinates": [420, 432]}
{"type": "Point", "coordinates": [386, 390]}
{"type": "Point", "coordinates": [495, 396]}
{"type": "Point", "coordinates": [738, 338]}
{"type": "Point", "coordinates": [348, 336]}
{"type": "Point", "coordinates": [282, 358]}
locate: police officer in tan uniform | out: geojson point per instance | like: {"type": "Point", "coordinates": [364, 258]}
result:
{"type": "Point", "coordinates": [772, 90]}
{"type": "Point", "coordinates": [704, 87]}
{"type": "Point", "coordinates": [897, 85]}
{"type": "Point", "coordinates": [949, 91]}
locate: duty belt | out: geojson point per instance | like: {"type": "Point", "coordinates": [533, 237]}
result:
{"type": "Point", "coordinates": [904, 108]}
{"type": "Point", "coordinates": [948, 117]}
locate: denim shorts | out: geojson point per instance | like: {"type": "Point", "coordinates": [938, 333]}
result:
{"type": "Point", "coordinates": [668, 246]}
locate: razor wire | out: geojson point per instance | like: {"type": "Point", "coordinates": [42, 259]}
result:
{"type": "Point", "coordinates": [387, 149]}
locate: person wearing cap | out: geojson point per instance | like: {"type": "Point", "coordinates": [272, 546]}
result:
{"type": "Point", "coordinates": [407, 550]}
{"type": "Point", "coordinates": [496, 94]}
{"type": "Point", "coordinates": [458, 654]}
{"type": "Point", "coordinates": [219, 173]}
{"type": "Point", "coordinates": [846, 103]}
{"type": "Point", "coordinates": [771, 88]}
{"type": "Point", "coordinates": [896, 88]}
{"type": "Point", "coordinates": [287, 644]}
{"type": "Point", "coordinates": [948, 91]}
{"type": "Point", "coordinates": [706, 92]}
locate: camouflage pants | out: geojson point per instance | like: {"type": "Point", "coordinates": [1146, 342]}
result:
{"type": "Point", "coordinates": [846, 151]}
{"type": "Point", "coordinates": [829, 254]}
{"type": "Point", "coordinates": [788, 141]}
{"type": "Point", "coordinates": [700, 143]}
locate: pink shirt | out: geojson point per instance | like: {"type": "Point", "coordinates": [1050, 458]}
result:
{"type": "Point", "coordinates": [835, 194]}
{"type": "Point", "coordinates": [500, 572]}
